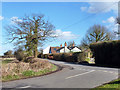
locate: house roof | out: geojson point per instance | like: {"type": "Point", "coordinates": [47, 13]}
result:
{"type": "Point", "coordinates": [59, 48]}
{"type": "Point", "coordinates": [54, 49]}
{"type": "Point", "coordinates": [72, 47]}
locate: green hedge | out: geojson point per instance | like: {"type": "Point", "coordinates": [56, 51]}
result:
{"type": "Point", "coordinates": [67, 57]}
{"type": "Point", "coordinates": [106, 53]}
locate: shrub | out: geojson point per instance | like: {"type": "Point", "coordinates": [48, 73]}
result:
{"type": "Point", "coordinates": [58, 57]}
{"type": "Point", "coordinates": [20, 55]}
{"type": "Point", "coordinates": [40, 55]}
{"type": "Point", "coordinates": [45, 56]}
{"type": "Point", "coordinates": [40, 64]}
{"type": "Point", "coordinates": [106, 53]}
{"type": "Point", "coordinates": [70, 57]}
{"type": "Point", "coordinates": [9, 52]}
{"type": "Point", "coordinates": [79, 56]}
{"type": "Point", "coordinates": [29, 59]}
{"type": "Point", "coordinates": [50, 56]}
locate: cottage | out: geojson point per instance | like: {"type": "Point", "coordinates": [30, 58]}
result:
{"type": "Point", "coordinates": [65, 49]}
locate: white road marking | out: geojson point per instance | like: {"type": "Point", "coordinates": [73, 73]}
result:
{"type": "Point", "coordinates": [105, 71]}
{"type": "Point", "coordinates": [79, 74]}
{"type": "Point", "coordinates": [100, 70]}
{"type": "Point", "coordinates": [111, 72]}
{"type": "Point", "coordinates": [25, 87]}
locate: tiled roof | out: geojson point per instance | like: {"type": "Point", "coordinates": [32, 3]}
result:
{"type": "Point", "coordinates": [54, 49]}
{"type": "Point", "coordinates": [60, 48]}
{"type": "Point", "coordinates": [72, 47]}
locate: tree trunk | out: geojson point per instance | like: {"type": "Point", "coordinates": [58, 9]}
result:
{"type": "Point", "coordinates": [35, 52]}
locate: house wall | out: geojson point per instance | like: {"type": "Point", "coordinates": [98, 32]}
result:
{"type": "Point", "coordinates": [64, 50]}
{"type": "Point", "coordinates": [46, 50]}
{"type": "Point", "coordinates": [76, 50]}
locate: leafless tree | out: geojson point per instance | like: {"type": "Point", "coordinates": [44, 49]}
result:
{"type": "Point", "coordinates": [32, 30]}
{"type": "Point", "coordinates": [71, 43]}
{"type": "Point", "coordinates": [96, 33]}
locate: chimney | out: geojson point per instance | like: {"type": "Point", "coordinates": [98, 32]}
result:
{"type": "Point", "coordinates": [65, 44]}
{"type": "Point", "coordinates": [73, 44]}
{"type": "Point", "coordinates": [61, 45]}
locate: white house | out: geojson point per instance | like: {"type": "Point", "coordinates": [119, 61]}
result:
{"type": "Point", "coordinates": [46, 50]}
{"type": "Point", "coordinates": [64, 49]}
{"type": "Point", "coordinates": [61, 49]}
{"type": "Point", "coordinates": [75, 49]}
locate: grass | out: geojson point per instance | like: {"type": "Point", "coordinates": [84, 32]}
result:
{"type": "Point", "coordinates": [29, 73]}
{"type": "Point", "coordinates": [87, 59]}
{"type": "Point", "coordinates": [113, 85]}
{"type": "Point", "coordinates": [41, 72]}
{"type": "Point", "coordinates": [6, 61]}
{"type": "Point", "coordinates": [10, 77]}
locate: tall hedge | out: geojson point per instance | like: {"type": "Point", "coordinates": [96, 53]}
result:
{"type": "Point", "coordinates": [69, 57]}
{"type": "Point", "coordinates": [106, 53]}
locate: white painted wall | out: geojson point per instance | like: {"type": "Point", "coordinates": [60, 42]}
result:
{"type": "Point", "coordinates": [46, 50]}
{"type": "Point", "coordinates": [76, 50]}
{"type": "Point", "coordinates": [64, 50]}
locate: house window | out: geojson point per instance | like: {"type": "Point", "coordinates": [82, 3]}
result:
{"type": "Point", "coordinates": [55, 49]}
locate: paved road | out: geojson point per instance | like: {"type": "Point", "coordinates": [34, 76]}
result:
{"type": "Point", "coordinates": [72, 76]}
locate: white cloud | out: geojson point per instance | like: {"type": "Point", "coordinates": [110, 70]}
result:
{"type": "Point", "coordinates": [1, 17]}
{"type": "Point", "coordinates": [101, 7]}
{"type": "Point", "coordinates": [111, 25]}
{"type": "Point", "coordinates": [65, 35]}
{"type": "Point", "coordinates": [15, 19]}
{"type": "Point", "coordinates": [83, 8]}
{"type": "Point", "coordinates": [109, 20]}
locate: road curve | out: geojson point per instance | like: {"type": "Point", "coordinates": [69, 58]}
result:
{"type": "Point", "coordinates": [72, 76]}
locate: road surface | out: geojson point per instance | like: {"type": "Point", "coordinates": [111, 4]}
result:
{"type": "Point", "coordinates": [72, 76]}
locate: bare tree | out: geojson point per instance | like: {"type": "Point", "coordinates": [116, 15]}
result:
{"type": "Point", "coordinates": [32, 30]}
{"type": "Point", "coordinates": [9, 52]}
{"type": "Point", "coordinates": [96, 33]}
{"type": "Point", "coordinates": [71, 43]}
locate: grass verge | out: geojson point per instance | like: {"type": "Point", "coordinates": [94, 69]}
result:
{"type": "Point", "coordinates": [113, 85]}
{"type": "Point", "coordinates": [29, 73]}
{"type": "Point", "coordinates": [6, 61]}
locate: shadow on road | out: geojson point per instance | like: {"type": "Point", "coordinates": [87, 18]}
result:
{"type": "Point", "coordinates": [88, 64]}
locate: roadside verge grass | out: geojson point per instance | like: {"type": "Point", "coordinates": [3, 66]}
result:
{"type": "Point", "coordinates": [15, 71]}
{"type": "Point", "coordinates": [113, 85]}
{"type": "Point", "coordinates": [6, 61]}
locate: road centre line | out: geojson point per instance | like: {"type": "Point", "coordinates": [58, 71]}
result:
{"type": "Point", "coordinates": [80, 74]}
{"type": "Point", "coordinates": [25, 87]}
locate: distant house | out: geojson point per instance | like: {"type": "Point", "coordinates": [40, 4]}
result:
{"type": "Point", "coordinates": [50, 50]}
{"type": "Point", "coordinates": [65, 49]}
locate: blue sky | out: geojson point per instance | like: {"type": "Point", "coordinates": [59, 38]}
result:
{"type": "Point", "coordinates": [71, 19]}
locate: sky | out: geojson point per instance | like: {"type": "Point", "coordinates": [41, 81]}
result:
{"type": "Point", "coordinates": [71, 19]}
